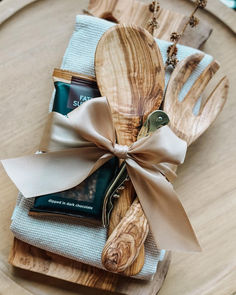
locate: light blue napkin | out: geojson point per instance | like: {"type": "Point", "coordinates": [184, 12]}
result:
{"type": "Point", "coordinates": [77, 239]}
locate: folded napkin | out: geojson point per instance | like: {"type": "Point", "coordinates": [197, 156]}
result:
{"type": "Point", "coordinates": [77, 239]}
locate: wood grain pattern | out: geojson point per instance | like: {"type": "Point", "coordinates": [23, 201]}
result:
{"type": "Point", "coordinates": [37, 260]}
{"type": "Point", "coordinates": [206, 182]}
{"type": "Point", "coordinates": [138, 13]}
{"type": "Point", "coordinates": [126, 240]}
{"type": "Point", "coordinates": [66, 76]}
{"type": "Point", "coordinates": [135, 6]}
{"type": "Point", "coordinates": [46, 262]}
{"type": "Point", "coordinates": [222, 12]}
{"type": "Point", "coordinates": [185, 125]}
{"type": "Point", "coordinates": [9, 7]}
{"type": "Point", "coordinates": [183, 122]}
{"type": "Point", "coordinates": [130, 73]}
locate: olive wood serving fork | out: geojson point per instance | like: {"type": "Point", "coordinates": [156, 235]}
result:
{"type": "Point", "coordinates": [121, 246]}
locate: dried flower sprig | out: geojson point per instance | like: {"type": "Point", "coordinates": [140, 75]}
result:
{"type": "Point", "coordinates": [154, 7]}
{"type": "Point", "coordinates": [193, 21]}
{"type": "Point", "coordinates": [201, 3]}
{"type": "Point", "coordinates": [175, 37]}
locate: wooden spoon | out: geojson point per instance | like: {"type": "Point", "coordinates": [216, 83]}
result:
{"type": "Point", "coordinates": [130, 73]}
{"type": "Point", "coordinates": [187, 126]}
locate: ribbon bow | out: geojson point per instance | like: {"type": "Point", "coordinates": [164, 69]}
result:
{"type": "Point", "coordinates": [83, 141]}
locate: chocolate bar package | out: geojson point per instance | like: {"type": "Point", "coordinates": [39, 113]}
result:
{"type": "Point", "coordinates": [86, 199]}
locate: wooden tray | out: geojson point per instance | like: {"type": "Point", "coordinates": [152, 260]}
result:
{"type": "Point", "coordinates": [34, 42]}
{"type": "Point", "coordinates": [37, 260]}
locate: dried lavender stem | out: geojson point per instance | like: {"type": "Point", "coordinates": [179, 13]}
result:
{"type": "Point", "coordinates": [152, 25]}
{"type": "Point", "coordinates": [183, 30]}
{"type": "Point", "coordinates": [186, 24]}
{"type": "Point", "coordinates": [181, 33]}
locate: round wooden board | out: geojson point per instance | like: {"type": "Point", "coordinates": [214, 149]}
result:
{"type": "Point", "coordinates": [32, 43]}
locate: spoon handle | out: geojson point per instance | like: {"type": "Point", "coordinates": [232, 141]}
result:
{"type": "Point", "coordinates": [154, 121]}
{"type": "Point", "coordinates": [126, 240]}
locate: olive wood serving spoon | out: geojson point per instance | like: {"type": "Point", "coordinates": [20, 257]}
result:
{"type": "Point", "coordinates": [130, 73]}
{"type": "Point", "coordinates": [187, 126]}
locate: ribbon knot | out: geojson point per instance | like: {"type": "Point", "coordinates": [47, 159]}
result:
{"type": "Point", "coordinates": [79, 144]}
{"type": "Point", "coordinates": [121, 151]}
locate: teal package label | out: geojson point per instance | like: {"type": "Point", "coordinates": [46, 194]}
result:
{"type": "Point", "coordinates": [86, 199]}
{"type": "Point", "coordinates": [70, 96]}
{"type": "Point", "coordinates": [79, 95]}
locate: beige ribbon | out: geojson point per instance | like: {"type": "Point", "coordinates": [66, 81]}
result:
{"type": "Point", "coordinates": [83, 141]}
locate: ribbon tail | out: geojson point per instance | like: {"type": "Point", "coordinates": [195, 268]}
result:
{"type": "Point", "coordinates": [167, 218]}
{"type": "Point", "coordinates": [51, 172]}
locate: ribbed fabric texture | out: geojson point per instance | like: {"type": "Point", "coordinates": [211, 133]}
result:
{"type": "Point", "coordinates": [78, 239]}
